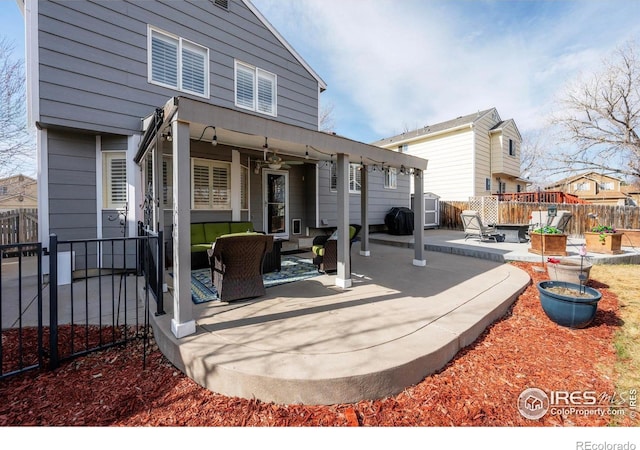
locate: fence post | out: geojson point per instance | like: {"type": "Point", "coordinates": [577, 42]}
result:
{"type": "Point", "coordinates": [53, 301]}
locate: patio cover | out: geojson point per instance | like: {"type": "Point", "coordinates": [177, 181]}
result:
{"type": "Point", "coordinates": [188, 119]}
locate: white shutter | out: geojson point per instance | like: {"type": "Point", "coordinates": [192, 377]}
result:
{"type": "Point", "coordinates": [193, 70]}
{"type": "Point", "coordinates": [167, 182]}
{"type": "Point", "coordinates": [266, 92]}
{"type": "Point", "coordinates": [244, 87]}
{"type": "Point", "coordinates": [115, 180]}
{"type": "Point", "coordinates": [220, 186]}
{"type": "Point", "coordinates": [164, 60]}
{"type": "Point", "coordinates": [200, 190]}
{"type": "Point", "coordinates": [355, 178]}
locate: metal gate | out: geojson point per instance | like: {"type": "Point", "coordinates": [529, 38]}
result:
{"type": "Point", "coordinates": [95, 296]}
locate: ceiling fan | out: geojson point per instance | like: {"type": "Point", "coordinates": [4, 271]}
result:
{"type": "Point", "coordinates": [274, 161]}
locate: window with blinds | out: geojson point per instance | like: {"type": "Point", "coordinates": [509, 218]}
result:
{"type": "Point", "coordinates": [355, 178]}
{"type": "Point", "coordinates": [391, 178]}
{"type": "Point", "coordinates": [255, 89]}
{"type": "Point", "coordinates": [177, 63]}
{"type": "Point", "coordinates": [211, 185]}
{"type": "Point", "coordinates": [244, 188]}
{"type": "Point", "coordinates": [115, 179]}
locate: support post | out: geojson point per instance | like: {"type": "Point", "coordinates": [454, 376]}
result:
{"type": "Point", "coordinates": [418, 219]}
{"type": "Point", "coordinates": [364, 212]}
{"type": "Point", "coordinates": [343, 277]}
{"type": "Point", "coordinates": [182, 323]}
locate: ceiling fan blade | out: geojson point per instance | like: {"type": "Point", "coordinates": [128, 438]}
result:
{"type": "Point", "coordinates": [293, 163]}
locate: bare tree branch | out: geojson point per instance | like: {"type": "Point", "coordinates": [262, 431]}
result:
{"type": "Point", "coordinates": [601, 116]}
{"type": "Point", "coordinates": [327, 123]}
{"type": "Point", "coordinates": [16, 144]}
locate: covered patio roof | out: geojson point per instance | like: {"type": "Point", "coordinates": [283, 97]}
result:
{"type": "Point", "coordinates": [188, 120]}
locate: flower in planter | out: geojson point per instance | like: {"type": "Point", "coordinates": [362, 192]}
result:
{"type": "Point", "coordinates": [547, 230]}
{"type": "Point", "coordinates": [603, 230]}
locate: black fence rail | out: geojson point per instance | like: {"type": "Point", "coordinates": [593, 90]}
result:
{"type": "Point", "coordinates": [21, 297]}
{"type": "Point", "coordinates": [97, 297]}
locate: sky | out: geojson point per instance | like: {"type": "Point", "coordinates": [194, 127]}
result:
{"type": "Point", "coordinates": [396, 65]}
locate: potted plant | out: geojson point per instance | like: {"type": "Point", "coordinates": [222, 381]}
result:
{"type": "Point", "coordinates": [603, 239]}
{"type": "Point", "coordinates": [548, 240]}
{"type": "Point", "coordinates": [567, 303]}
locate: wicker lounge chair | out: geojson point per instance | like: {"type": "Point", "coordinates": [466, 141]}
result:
{"type": "Point", "coordinates": [236, 265]}
{"type": "Point", "coordinates": [325, 249]}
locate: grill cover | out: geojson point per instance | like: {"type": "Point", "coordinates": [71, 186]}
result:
{"type": "Point", "coordinates": [399, 221]}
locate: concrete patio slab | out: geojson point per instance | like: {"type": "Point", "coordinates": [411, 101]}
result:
{"type": "Point", "coordinates": [313, 343]}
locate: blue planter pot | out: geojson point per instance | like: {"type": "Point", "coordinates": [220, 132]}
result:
{"type": "Point", "coordinates": [566, 310]}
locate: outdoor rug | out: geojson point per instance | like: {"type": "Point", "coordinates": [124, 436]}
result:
{"type": "Point", "coordinates": [294, 268]}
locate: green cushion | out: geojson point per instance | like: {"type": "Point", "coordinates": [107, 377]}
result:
{"type": "Point", "coordinates": [200, 247]}
{"type": "Point", "coordinates": [240, 227]}
{"type": "Point", "coordinates": [352, 232]}
{"type": "Point", "coordinates": [215, 229]}
{"type": "Point", "coordinates": [318, 250]}
{"type": "Point", "coordinates": [197, 233]}
{"type": "Point", "coordinates": [245, 233]}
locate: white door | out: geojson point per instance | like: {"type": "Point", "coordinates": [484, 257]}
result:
{"type": "Point", "coordinates": [276, 202]}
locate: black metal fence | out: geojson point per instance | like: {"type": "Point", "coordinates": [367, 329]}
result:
{"type": "Point", "coordinates": [97, 297]}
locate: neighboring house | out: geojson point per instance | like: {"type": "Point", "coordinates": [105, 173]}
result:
{"type": "Point", "coordinates": [473, 155]}
{"type": "Point", "coordinates": [595, 188]}
{"type": "Point", "coordinates": [18, 191]}
{"type": "Point", "coordinates": [172, 112]}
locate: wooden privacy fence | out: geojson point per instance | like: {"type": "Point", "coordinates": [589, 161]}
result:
{"type": "Point", "coordinates": [18, 226]}
{"type": "Point", "coordinates": [520, 212]}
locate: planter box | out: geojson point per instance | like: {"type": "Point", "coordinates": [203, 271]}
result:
{"type": "Point", "coordinates": [610, 245]}
{"type": "Point", "coordinates": [630, 237]}
{"type": "Point", "coordinates": [548, 244]}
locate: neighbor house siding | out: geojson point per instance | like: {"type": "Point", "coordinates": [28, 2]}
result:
{"type": "Point", "coordinates": [484, 161]}
{"type": "Point", "coordinates": [93, 61]}
{"type": "Point", "coordinates": [450, 169]}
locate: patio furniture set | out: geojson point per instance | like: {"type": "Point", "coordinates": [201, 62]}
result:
{"type": "Point", "coordinates": [510, 232]}
{"type": "Point", "coordinates": [238, 256]}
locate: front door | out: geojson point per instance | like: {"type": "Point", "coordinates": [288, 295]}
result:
{"type": "Point", "coordinates": [276, 202]}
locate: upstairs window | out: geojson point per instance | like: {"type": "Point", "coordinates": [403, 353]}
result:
{"type": "Point", "coordinates": [115, 179]}
{"type": "Point", "coordinates": [512, 148]}
{"type": "Point", "coordinates": [255, 89]}
{"type": "Point", "coordinates": [583, 186]}
{"type": "Point", "coordinates": [177, 63]}
{"type": "Point", "coordinates": [607, 186]}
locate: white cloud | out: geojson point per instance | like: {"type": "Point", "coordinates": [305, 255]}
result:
{"type": "Point", "coordinates": [396, 64]}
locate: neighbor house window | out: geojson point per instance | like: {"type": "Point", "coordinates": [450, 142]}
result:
{"type": "Point", "coordinates": [177, 63]}
{"type": "Point", "coordinates": [255, 89]}
{"type": "Point", "coordinates": [487, 184]}
{"type": "Point", "coordinates": [583, 186]}
{"type": "Point", "coordinates": [607, 186]}
{"type": "Point", "coordinates": [512, 148]}
{"type": "Point", "coordinates": [391, 178]}
{"type": "Point", "coordinates": [3, 190]}
{"type": "Point", "coordinates": [355, 178]}
{"type": "Point", "coordinates": [210, 185]}
{"type": "Point", "coordinates": [403, 148]}
{"type": "Point", "coordinates": [518, 188]}
{"type": "Point", "coordinates": [115, 179]}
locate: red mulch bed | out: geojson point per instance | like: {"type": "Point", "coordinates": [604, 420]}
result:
{"type": "Point", "coordinates": [479, 387]}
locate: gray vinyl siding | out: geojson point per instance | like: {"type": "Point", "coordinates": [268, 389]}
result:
{"type": "Point", "coordinates": [381, 200]}
{"type": "Point", "coordinates": [72, 192]}
{"type": "Point", "coordinates": [93, 61]}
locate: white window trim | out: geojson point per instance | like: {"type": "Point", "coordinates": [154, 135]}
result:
{"type": "Point", "coordinates": [108, 202]}
{"type": "Point", "coordinates": [182, 43]}
{"type": "Point", "coordinates": [391, 178]}
{"type": "Point", "coordinates": [210, 163]}
{"type": "Point", "coordinates": [257, 74]}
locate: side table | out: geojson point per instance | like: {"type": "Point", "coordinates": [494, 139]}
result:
{"type": "Point", "coordinates": [272, 262]}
